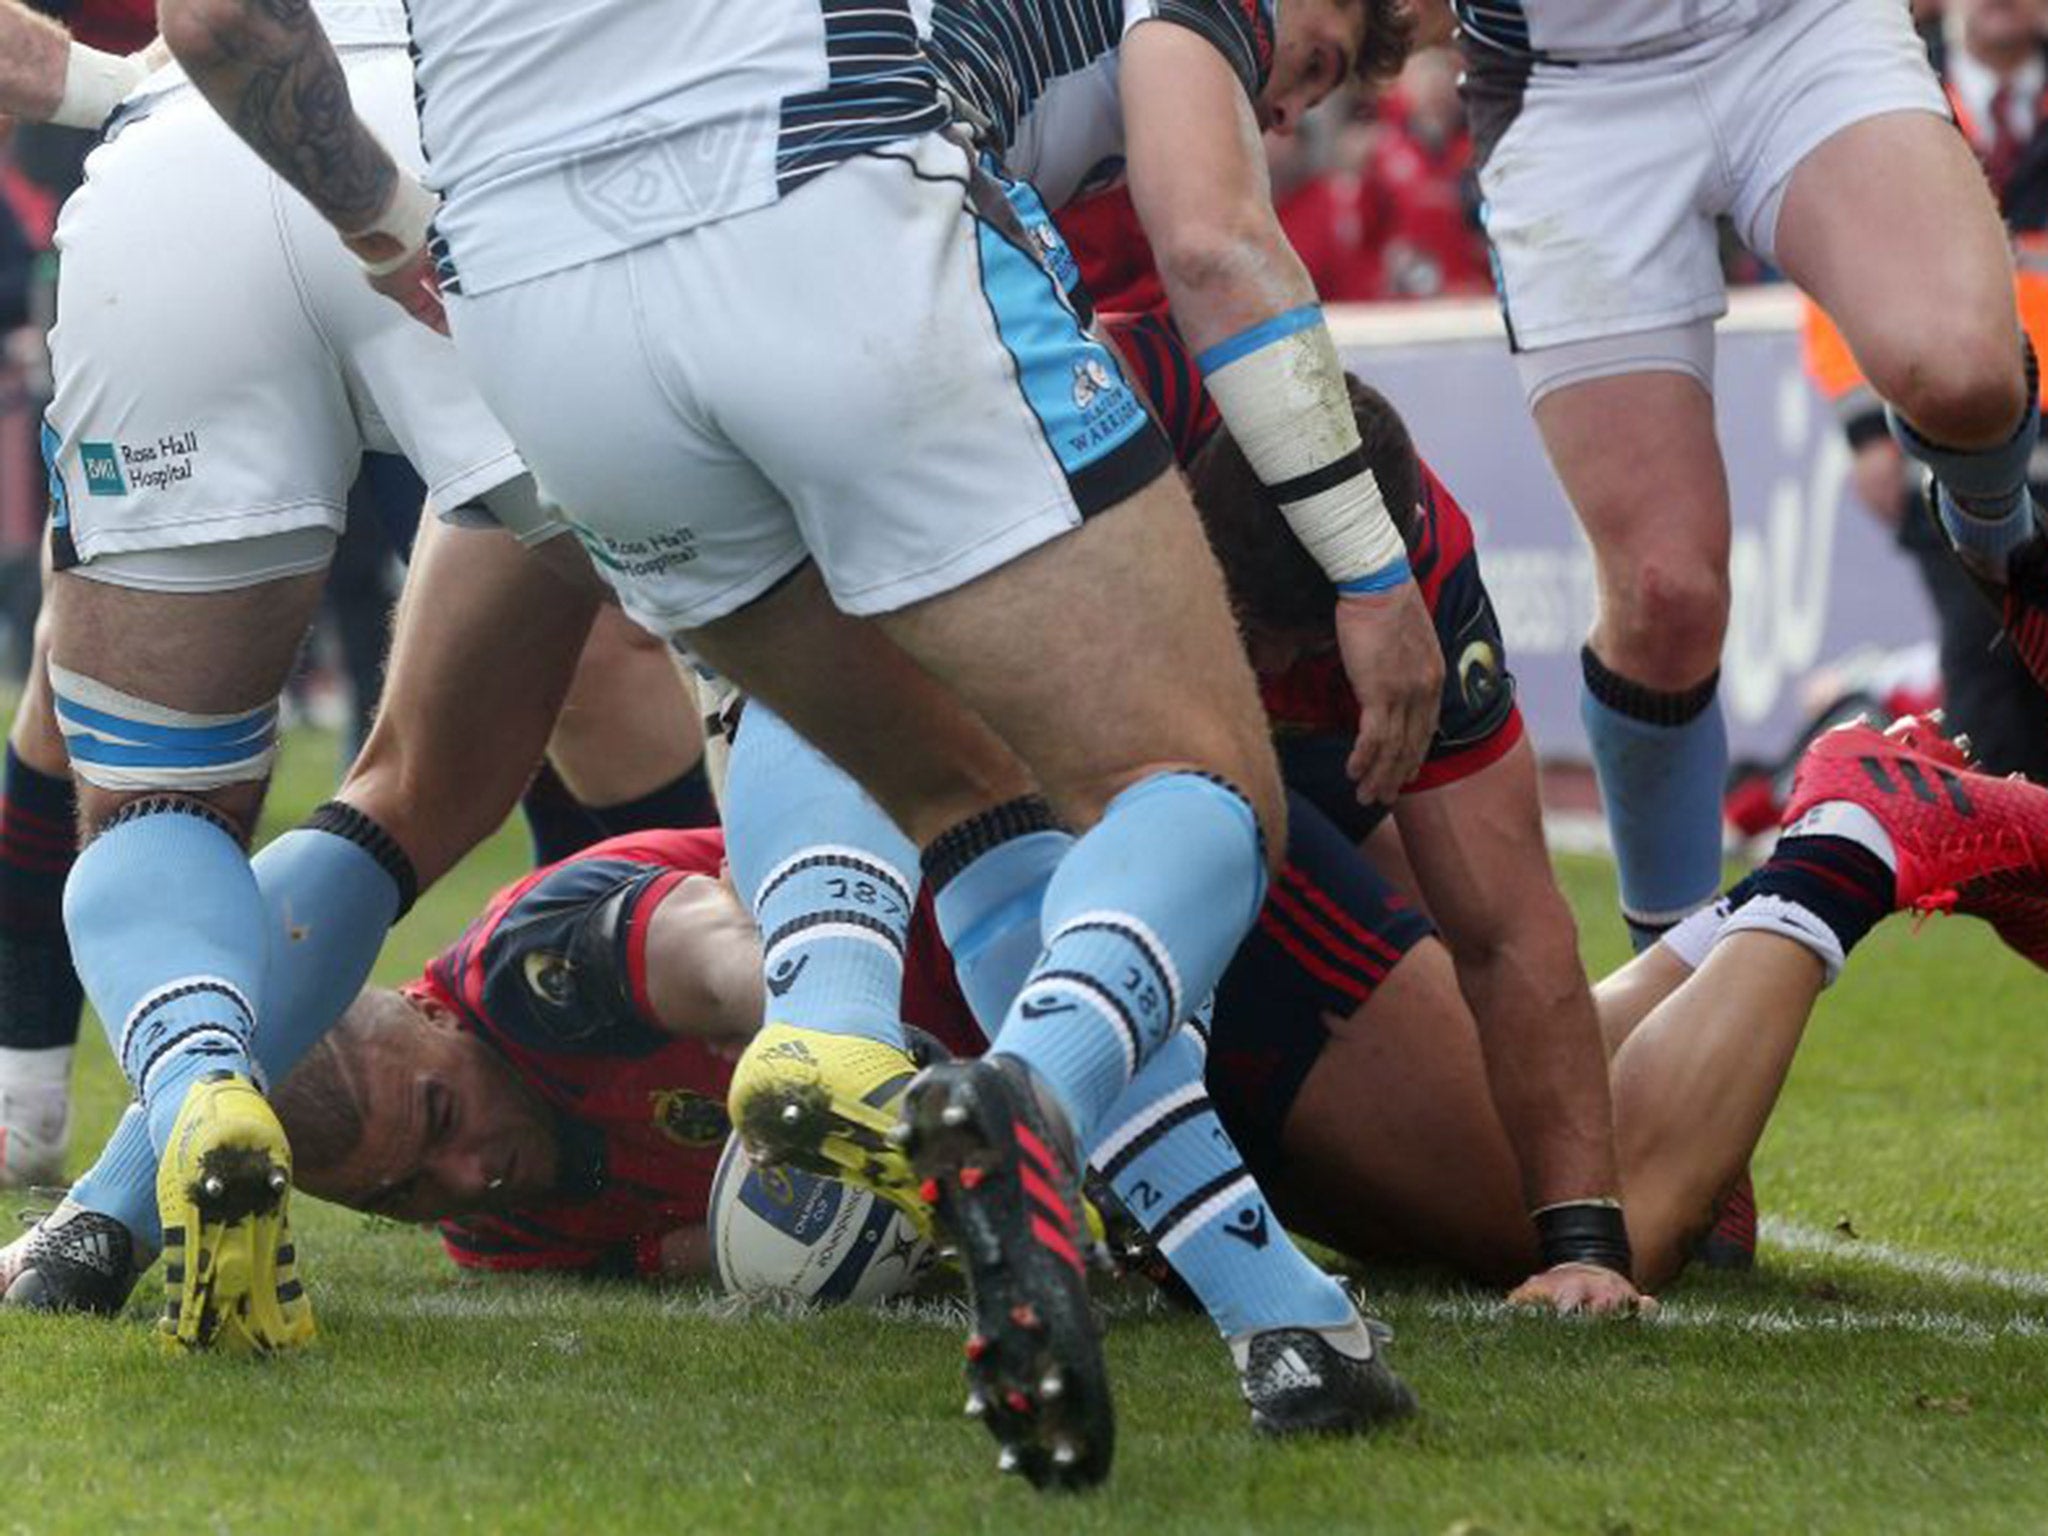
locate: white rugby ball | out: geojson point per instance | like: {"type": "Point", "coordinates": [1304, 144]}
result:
{"type": "Point", "coordinates": [779, 1231]}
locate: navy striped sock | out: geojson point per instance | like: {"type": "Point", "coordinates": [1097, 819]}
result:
{"type": "Point", "coordinates": [38, 844]}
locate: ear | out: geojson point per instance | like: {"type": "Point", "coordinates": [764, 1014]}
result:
{"type": "Point", "coordinates": [433, 1013]}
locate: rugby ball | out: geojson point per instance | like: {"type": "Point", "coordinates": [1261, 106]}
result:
{"type": "Point", "coordinates": [779, 1231]}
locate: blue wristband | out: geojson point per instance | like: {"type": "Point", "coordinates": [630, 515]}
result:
{"type": "Point", "coordinates": [1254, 337]}
{"type": "Point", "coordinates": [1385, 579]}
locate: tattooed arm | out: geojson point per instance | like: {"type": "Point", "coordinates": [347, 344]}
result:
{"type": "Point", "coordinates": [269, 70]}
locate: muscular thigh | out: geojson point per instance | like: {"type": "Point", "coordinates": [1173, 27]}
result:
{"type": "Point", "coordinates": [1393, 1147]}
{"type": "Point", "coordinates": [1104, 655]}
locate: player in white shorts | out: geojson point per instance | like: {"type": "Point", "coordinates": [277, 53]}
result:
{"type": "Point", "coordinates": [220, 367]}
{"type": "Point", "coordinates": [1611, 136]}
{"type": "Point", "coordinates": [730, 288]}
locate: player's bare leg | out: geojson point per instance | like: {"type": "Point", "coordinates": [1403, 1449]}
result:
{"type": "Point", "coordinates": [1695, 1084]}
{"type": "Point", "coordinates": [172, 743]}
{"type": "Point", "coordinates": [1182, 701]}
{"type": "Point", "coordinates": [483, 650]}
{"type": "Point", "coordinates": [1890, 226]}
{"type": "Point", "coordinates": [1427, 1170]}
{"type": "Point", "coordinates": [628, 743]}
{"type": "Point", "coordinates": [1660, 549]}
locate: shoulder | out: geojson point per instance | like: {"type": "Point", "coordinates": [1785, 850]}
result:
{"type": "Point", "coordinates": [1243, 31]}
{"type": "Point", "coordinates": [557, 965]}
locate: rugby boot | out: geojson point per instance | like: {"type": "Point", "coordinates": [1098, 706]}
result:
{"type": "Point", "coordinates": [70, 1260]}
{"type": "Point", "coordinates": [1320, 1381]}
{"type": "Point", "coordinates": [826, 1103]}
{"type": "Point", "coordinates": [1730, 1243]}
{"type": "Point", "coordinates": [35, 1129]}
{"type": "Point", "coordinates": [1965, 841]}
{"type": "Point", "coordinates": [999, 1167]}
{"type": "Point", "coordinates": [223, 1188]}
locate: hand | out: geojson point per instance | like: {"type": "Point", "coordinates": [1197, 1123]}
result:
{"type": "Point", "coordinates": [415, 288]}
{"type": "Point", "coordinates": [1589, 1288]}
{"type": "Point", "coordinates": [393, 251]}
{"type": "Point", "coordinates": [1396, 669]}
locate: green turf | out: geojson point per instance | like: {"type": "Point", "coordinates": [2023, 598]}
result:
{"type": "Point", "coordinates": [1886, 1369]}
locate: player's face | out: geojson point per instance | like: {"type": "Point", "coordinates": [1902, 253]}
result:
{"type": "Point", "coordinates": [448, 1129]}
{"type": "Point", "coordinates": [1317, 46]}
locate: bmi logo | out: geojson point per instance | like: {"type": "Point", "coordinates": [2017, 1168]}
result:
{"type": "Point", "coordinates": [102, 470]}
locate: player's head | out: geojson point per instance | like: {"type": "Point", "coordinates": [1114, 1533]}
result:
{"type": "Point", "coordinates": [401, 1112]}
{"type": "Point", "coordinates": [1321, 43]}
{"type": "Point", "coordinates": [1284, 603]}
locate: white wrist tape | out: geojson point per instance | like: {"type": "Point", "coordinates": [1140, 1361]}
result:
{"type": "Point", "coordinates": [94, 84]}
{"type": "Point", "coordinates": [1281, 390]}
{"type": "Point", "coordinates": [406, 219]}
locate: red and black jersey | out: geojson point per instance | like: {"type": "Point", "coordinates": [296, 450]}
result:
{"type": "Point", "coordinates": [1478, 720]}
{"type": "Point", "coordinates": [553, 976]}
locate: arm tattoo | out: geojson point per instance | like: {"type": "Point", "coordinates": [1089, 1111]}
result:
{"type": "Point", "coordinates": [270, 71]}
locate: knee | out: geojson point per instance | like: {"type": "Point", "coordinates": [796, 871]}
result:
{"type": "Point", "coordinates": [1963, 391]}
{"type": "Point", "coordinates": [1662, 623]}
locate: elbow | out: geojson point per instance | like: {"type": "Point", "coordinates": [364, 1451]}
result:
{"type": "Point", "coordinates": [200, 33]}
{"type": "Point", "coordinates": [1240, 252]}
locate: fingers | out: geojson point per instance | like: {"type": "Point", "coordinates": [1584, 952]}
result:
{"type": "Point", "coordinates": [1391, 747]}
{"type": "Point", "coordinates": [1571, 1289]}
{"type": "Point", "coordinates": [413, 289]}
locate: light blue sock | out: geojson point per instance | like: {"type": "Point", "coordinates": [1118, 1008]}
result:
{"type": "Point", "coordinates": [1140, 919]}
{"type": "Point", "coordinates": [988, 906]}
{"type": "Point", "coordinates": [122, 1183]}
{"type": "Point", "coordinates": [329, 904]}
{"type": "Point", "coordinates": [1984, 502]}
{"type": "Point", "coordinates": [831, 880]}
{"type": "Point", "coordinates": [168, 932]}
{"type": "Point", "coordinates": [1662, 760]}
{"type": "Point", "coordinates": [1179, 1174]}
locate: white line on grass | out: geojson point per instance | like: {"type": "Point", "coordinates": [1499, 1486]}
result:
{"type": "Point", "coordinates": [1720, 1317]}
{"type": "Point", "coordinates": [1797, 1237]}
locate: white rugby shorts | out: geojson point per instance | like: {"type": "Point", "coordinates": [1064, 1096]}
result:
{"type": "Point", "coordinates": [1601, 182]}
{"type": "Point", "coordinates": [879, 372]}
{"type": "Point", "coordinates": [221, 363]}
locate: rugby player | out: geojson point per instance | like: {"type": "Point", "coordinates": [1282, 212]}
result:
{"type": "Point", "coordinates": [898, 428]}
{"type": "Point", "coordinates": [199, 464]}
{"type": "Point", "coordinates": [1609, 139]}
{"type": "Point", "coordinates": [626, 754]}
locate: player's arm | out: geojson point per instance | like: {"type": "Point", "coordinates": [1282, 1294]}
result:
{"type": "Point", "coordinates": [704, 965]}
{"type": "Point", "coordinates": [48, 77]}
{"type": "Point", "coordinates": [269, 70]}
{"type": "Point", "coordinates": [1198, 180]}
{"type": "Point", "coordinates": [1476, 846]}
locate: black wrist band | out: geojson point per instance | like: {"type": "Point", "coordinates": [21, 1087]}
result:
{"type": "Point", "coordinates": [1584, 1232]}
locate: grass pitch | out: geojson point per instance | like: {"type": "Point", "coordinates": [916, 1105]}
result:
{"type": "Point", "coordinates": [1886, 1369]}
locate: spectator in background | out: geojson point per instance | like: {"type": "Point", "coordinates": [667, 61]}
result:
{"type": "Point", "coordinates": [1992, 56]}
{"type": "Point", "coordinates": [1417, 198]}
{"type": "Point", "coordinates": [1378, 199]}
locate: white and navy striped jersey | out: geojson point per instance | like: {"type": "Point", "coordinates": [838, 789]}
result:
{"type": "Point", "coordinates": [1038, 78]}
{"type": "Point", "coordinates": [1592, 31]}
{"type": "Point", "coordinates": [563, 131]}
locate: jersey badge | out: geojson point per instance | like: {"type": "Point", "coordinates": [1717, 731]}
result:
{"type": "Point", "coordinates": [689, 1119]}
